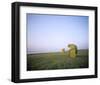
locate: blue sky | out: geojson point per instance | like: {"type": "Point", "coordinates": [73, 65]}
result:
{"type": "Point", "coordinates": [51, 33]}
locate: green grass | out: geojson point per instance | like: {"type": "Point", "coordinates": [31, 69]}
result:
{"type": "Point", "coordinates": [56, 60]}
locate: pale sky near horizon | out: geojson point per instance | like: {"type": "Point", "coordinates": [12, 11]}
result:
{"type": "Point", "coordinates": [51, 33]}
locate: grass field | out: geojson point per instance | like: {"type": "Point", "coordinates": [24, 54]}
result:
{"type": "Point", "coordinates": [56, 60]}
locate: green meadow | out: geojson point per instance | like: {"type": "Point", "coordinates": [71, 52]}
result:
{"type": "Point", "coordinates": [57, 60]}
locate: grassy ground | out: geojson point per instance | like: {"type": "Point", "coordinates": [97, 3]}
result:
{"type": "Point", "coordinates": [56, 60]}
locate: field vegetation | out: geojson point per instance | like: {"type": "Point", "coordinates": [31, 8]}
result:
{"type": "Point", "coordinates": [57, 60]}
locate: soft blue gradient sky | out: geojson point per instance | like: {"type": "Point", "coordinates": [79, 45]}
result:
{"type": "Point", "coordinates": [51, 33]}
